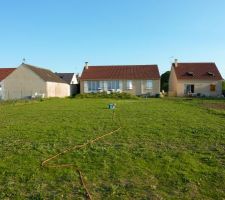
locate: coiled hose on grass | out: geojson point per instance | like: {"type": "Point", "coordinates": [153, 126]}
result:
{"type": "Point", "coordinates": [46, 163]}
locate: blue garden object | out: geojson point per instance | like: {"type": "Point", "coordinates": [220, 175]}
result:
{"type": "Point", "coordinates": [112, 106]}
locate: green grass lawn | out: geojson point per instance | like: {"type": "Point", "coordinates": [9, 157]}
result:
{"type": "Point", "coordinates": [166, 149]}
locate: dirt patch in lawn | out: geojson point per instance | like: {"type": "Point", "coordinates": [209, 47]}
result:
{"type": "Point", "coordinates": [218, 106]}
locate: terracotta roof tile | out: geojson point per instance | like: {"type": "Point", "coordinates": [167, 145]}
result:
{"type": "Point", "coordinates": [4, 72]}
{"type": "Point", "coordinates": [197, 71]}
{"type": "Point", "coordinates": [121, 72]}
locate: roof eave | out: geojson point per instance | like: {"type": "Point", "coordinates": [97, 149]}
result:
{"type": "Point", "coordinates": [105, 79]}
{"type": "Point", "coordinates": [197, 79]}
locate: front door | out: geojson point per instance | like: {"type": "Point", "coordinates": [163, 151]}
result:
{"type": "Point", "coordinates": [189, 88]}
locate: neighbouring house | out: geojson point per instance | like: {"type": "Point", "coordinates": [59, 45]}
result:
{"type": "Point", "coordinates": [134, 79]}
{"type": "Point", "coordinates": [195, 79]}
{"type": "Point", "coordinates": [28, 81]}
{"type": "Point", "coordinates": [4, 72]}
{"type": "Point", "coordinates": [72, 80]}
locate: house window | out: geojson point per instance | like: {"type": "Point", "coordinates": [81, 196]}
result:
{"type": "Point", "coordinates": [129, 85]}
{"type": "Point", "coordinates": [212, 88]}
{"type": "Point", "coordinates": [149, 84]}
{"type": "Point", "coordinates": [93, 86]}
{"type": "Point", "coordinates": [113, 85]}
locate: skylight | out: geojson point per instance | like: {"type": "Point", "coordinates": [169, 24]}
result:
{"type": "Point", "coordinates": [190, 73]}
{"type": "Point", "coordinates": [211, 74]}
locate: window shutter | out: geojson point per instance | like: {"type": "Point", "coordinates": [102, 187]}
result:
{"type": "Point", "coordinates": [212, 88]}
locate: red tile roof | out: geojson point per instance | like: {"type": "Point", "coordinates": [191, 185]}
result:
{"type": "Point", "coordinates": [121, 72]}
{"type": "Point", "coordinates": [4, 72]}
{"type": "Point", "coordinates": [197, 71]}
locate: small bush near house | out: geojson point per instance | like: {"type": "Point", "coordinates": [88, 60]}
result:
{"type": "Point", "coordinates": [104, 95]}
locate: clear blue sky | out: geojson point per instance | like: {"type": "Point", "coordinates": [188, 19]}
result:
{"type": "Point", "coordinates": [62, 35]}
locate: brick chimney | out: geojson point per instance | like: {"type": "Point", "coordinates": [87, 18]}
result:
{"type": "Point", "coordinates": [176, 62]}
{"type": "Point", "coordinates": [86, 65]}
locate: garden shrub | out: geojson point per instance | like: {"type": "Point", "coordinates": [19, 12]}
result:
{"type": "Point", "coordinates": [104, 95]}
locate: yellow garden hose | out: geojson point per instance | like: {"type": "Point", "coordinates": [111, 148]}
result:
{"type": "Point", "coordinates": [45, 163]}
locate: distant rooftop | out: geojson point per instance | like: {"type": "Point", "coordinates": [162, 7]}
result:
{"type": "Point", "coordinates": [67, 77]}
{"type": "Point", "coordinates": [4, 72]}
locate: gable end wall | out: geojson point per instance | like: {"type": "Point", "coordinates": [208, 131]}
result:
{"type": "Point", "coordinates": [23, 83]}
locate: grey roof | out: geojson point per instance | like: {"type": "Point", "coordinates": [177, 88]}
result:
{"type": "Point", "coordinates": [44, 74]}
{"type": "Point", "coordinates": [67, 77]}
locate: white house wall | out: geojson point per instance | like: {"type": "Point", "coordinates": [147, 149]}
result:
{"type": "Point", "coordinates": [74, 79]}
{"type": "Point", "coordinates": [202, 87]}
{"type": "Point", "coordinates": [172, 83]}
{"type": "Point", "coordinates": [22, 83]}
{"type": "Point", "coordinates": [58, 89]}
{"type": "Point", "coordinates": [1, 90]}
{"type": "Point", "coordinates": [138, 87]}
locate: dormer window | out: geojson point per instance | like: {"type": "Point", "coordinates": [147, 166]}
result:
{"type": "Point", "coordinates": [211, 74]}
{"type": "Point", "coordinates": [190, 73]}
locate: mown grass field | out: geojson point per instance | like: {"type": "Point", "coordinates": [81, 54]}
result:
{"type": "Point", "coordinates": [166, 149]}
